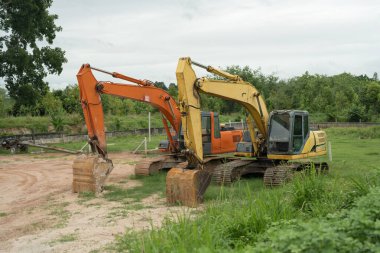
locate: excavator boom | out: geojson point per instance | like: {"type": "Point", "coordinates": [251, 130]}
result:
{"type": "Point", "coordinates": [90, 172]}
{"type": "Point", "coordinates": [90, 90]}
{"type": "Point", "coordinates": [234, 89]}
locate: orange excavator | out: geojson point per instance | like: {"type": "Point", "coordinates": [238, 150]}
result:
{"type": "Point", "coordinates": [90, 171]}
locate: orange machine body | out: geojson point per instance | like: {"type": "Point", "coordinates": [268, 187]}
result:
{"type": "Point", "coordinates": [215, 140]}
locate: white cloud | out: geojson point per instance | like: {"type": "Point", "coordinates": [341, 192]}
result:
{"type": "Point", "coordinates": [144, 39]}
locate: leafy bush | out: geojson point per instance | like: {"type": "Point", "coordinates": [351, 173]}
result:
{"type": "Point", "coordinates": [354, 230]}
{"type": "Point", "coordinates": [57, 120]}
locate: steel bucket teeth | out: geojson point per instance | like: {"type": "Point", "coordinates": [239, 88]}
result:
{"type": "Point", "coordinates": [90, 173]}
{"type": "Point", "coordinates": [186, 187]}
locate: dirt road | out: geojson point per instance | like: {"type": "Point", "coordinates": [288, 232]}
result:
{"type": "Point", "coordinates": [39, 213]}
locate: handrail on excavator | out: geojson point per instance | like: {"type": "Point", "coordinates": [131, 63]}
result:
{"type": "Point", "coordinates": [123, 77]}
{"type": "Point", "coordinates": [217, 71]}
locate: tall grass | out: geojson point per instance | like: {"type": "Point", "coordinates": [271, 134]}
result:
{"type": "Point", "coordinates": [231, 222]}
{"type": "Point", "coordinates": [238, 216]}
{"type": "Point", "coordinates": [35, 124]}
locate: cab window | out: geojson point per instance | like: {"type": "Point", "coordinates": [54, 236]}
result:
{"type": "Point", "coordinates": [216, 127]}
{"type": "Point", "coordinates": [279, 135]}
{"type": "Point", "coordinates": [297, 133]}
{"type": "Point", "coordinates": [206, 129]}
{"type": "Point", "coordinates": [305, 126]}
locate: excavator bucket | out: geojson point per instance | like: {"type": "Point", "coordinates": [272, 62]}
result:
{"type": "Point", "coordinates": [90, 173]}
{"type": "Point", "coordinates": [186, 187]}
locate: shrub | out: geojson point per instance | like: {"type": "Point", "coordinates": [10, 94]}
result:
{"type": "Point", "coordinates": [354, 230]}
{"type": "Point", "coordinates": [57, 119]}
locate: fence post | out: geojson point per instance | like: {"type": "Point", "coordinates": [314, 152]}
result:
{"type": "Point", "coordinates": [330, 151]}
{"type": "Point", "coordinates": [145, 146]}
{"type": "Point", "coordinates": [149, 126]}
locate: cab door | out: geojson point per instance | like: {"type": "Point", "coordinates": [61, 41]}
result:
{"type": "Point", "coordinates": [300, 132]}
{"type": "Point", "coordinates": [206, 133]}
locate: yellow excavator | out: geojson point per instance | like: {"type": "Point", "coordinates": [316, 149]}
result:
{"type": "Point", "coordinates": [280, 142]}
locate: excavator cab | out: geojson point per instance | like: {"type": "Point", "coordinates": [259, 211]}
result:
{"type": "Point", "coordinates": [214, 139]}
{"type": "Point", "coordinates": [209, 132]}
{"type": "Point", "coordinates": [288, 131]}
{"type": "Point", "coordinates": [208, 119]}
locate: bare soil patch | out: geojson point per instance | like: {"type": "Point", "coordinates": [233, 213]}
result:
{"type": "Point", "coordinates": [39, 213]}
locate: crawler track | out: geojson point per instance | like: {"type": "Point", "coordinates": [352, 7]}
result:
{"type": "Point", "coordinates": [227, 173]}
{"type": "Point", "coordinates": [278, 175]}
{"type": "Point", "coordinates": [149, 166]}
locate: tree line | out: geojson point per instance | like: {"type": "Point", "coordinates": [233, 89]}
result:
{"type": "Point", "coordinates": [27, 56]}
{"type": "Point", "coordinates": [343, 97]}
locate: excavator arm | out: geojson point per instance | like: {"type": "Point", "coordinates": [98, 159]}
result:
{"type": "Point", "coordinates": [232, 87]}
{"type": "Point", "coordinates": [90, 172]}
{"type": "Point", "coordinates": [144, 91]}
{"type": "Point", "coordinates": [188, 186]}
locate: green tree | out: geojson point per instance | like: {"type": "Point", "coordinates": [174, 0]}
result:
{"type": "Point", "coordinates": [26, 57]}
{"type": "Point", "coordinates": [70, 99]}
{"type": "Point", "coordinates": [50, 104]}
{"type": "Point", "coordinates": [372, 97]}
{"type": "Point", "coordinates": [173, 91]}
{"type": "Point", "coordinates": [161, 85]}
{"type": "Point", "coordinates": [6, 103]}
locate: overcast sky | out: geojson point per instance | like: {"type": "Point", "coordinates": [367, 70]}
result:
{"type": "Point", "coordinates": [144, 39]}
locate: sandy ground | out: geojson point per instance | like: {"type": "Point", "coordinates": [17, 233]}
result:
{"type": "Point", "coordinates": [39, 213]}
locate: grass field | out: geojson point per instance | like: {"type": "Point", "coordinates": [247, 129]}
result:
{"type": "Point", "coordinates": [74, 123]}
{"type": "Point", "coordinates": [118, 144]}
{"type": "Point", "coordinates": [338, 212]}
{"type": "Point", "coordinates": [115, 144]}
{"type": "Point", "coordinates": [247, 217]}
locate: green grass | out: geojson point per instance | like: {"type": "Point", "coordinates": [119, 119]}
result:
{"type": "Point", "coordinates": [83, 197]}
{"type": "Point", "coordinates": [154, 184]}
{"type": "Point", "coordinates": [236, 218]}
{"type": "Point", "coordinates": [64, 238]}
{"type": "Point", "coordinates": [115, 144]}
{"type": "Point", "coordinates": [353, 156]}
{"type": "Point", "coordinates": [60, 213]}
{"type": "Point", "coordinates": [118, 144]}
{"type": "Point", "coordinates": [3, 214]}
{"type": "Point", "coordinates": [36, 124]}
{"type": "Point", "coordinates": [355, 133]}
{"type": "Point", "coordinates": [73, 123]}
